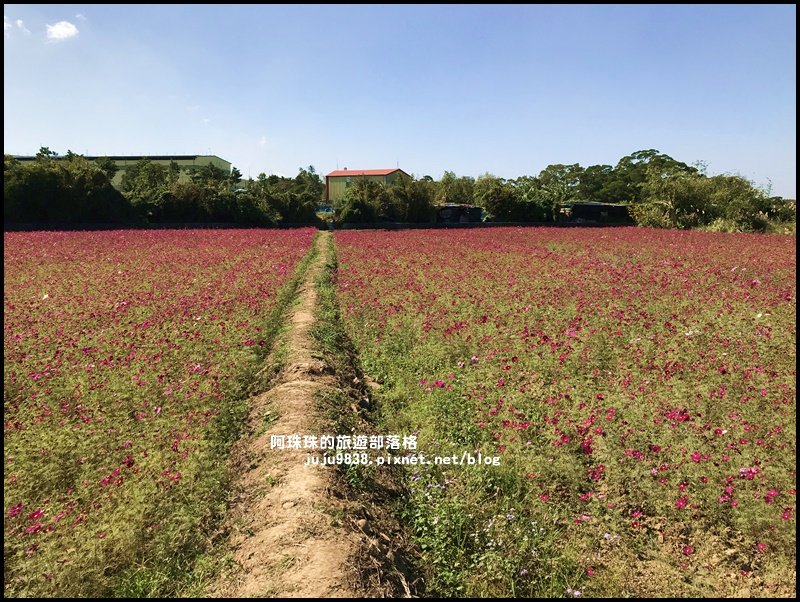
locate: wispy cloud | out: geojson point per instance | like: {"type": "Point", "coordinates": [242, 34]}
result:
{"type": "Point", "coordinates": [262, 141]}
{"type": "Point", "coordinates": [80, 16]}
{"type": "Point", "coordinates": [206, 120]}
{"type": "Point", "coordinates": [63, 30]}
{"type": "Point", "coordinates": [17, 25]}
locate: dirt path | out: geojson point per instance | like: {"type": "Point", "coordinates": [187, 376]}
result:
{"type": "Point", "coordinates": [286, 533]}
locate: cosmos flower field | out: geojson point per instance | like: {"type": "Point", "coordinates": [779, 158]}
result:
{"type": "Point", "coordinates": [124, 358]}
{"type": "Point", "coordinates": [638, 385]}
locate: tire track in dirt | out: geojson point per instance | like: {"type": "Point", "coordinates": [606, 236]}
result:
{"type": "Point", "coordinates": [286, 538]}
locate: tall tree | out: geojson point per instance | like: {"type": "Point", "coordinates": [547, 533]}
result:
{"type": "Point", "coordinates": [631, 173]}
{"type": "Point", "coordinates": [497, 197]}
{"type": "Point", "coordinates": [453, 189]}
{"type": "Point", "coordinates": [593, 184]}
{"type": "Point", "coordinates": [46, 153]}
{"type": "Point", "coordinates": [559, 183]}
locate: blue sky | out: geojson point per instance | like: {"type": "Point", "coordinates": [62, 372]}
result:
{"type": "Point", "coordinates": [470, 89]}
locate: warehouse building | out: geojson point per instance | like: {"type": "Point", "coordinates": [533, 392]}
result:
{"type": "Point", "coordinates": [338, 181]}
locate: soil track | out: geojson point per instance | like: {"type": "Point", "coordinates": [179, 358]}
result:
{"type": "Point", "coordinates": [287, 533]}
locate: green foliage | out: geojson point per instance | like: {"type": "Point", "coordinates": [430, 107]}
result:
{"type": "Point", "coordinates": [362, 202]}
{"type": "Point", "coordinates": [406, 200]}
{"type": "Point", "coordinates": [632, 173]}
{"type": "Point", "coordinates": [65, 190]}
{"type": "Point", "coordinates": [209, 174]}
{"type": "Point", "coordinates": [687, 200]}
{"type": "Point", "coordinates": [783, 210]}
{"type": "Point", "coordinates": [210, 195]}
{"type": "Point", "coordinates": [560, 182]}
{"type": "Point", "coordinates": [46, 153]}
{"type": "Point", "coordinates": [533, 203]}
{"type": "Point", "coordinates": [412, 200]}
{"type": "Point", "coordinates": [107, 166]}
{"type": "Point", "coordinates": [497, 197]}
{"type": "Point", "coordinates": [595, 184]}
{"type": "Point", "coordinates": [287, 200]}
{"type": "Point", "coordinates": [143, 182]}
{"type": "Point", "coordinates": [661, 191]}
{"type": "Point", "coordinates": [452, 189]}
{"type": "Point", "coordinates": [70, 189]}
{"type": "Point", "coordinates": [741, 201]}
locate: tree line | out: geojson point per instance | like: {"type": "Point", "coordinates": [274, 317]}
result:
{"type": "Point", "coordinates": [74, 190]}
{"type": "Point", "coordinates": [658, 191]}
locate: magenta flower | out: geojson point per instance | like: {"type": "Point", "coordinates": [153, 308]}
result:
{"type": "Point", "coordinates": [33, 528]}
{"type": "Point", "coordinates": [36, 514]}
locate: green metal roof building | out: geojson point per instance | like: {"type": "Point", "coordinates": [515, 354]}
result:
{"type": "Point", "coordinates": [337, 181]}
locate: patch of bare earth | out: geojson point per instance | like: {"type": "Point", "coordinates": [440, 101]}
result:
{"type": "Point", "coordinates": [288, 531]}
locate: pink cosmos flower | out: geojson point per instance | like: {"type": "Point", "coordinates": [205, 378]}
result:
{"type": "Point", "coordinates": [36, 514]}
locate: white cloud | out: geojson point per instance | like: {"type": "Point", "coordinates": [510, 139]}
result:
{"type": "Point", "coordinates": [18, 25]}
{"type": "Point", "coordinates": [80, 16]}
{"type": "Point", "coordinates": [63, 30]}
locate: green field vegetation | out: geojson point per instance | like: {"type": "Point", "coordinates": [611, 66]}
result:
{"type": "Point", "coordinates": [129, 359]}
{"type": "Point", "coordinates": [637, 386]}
